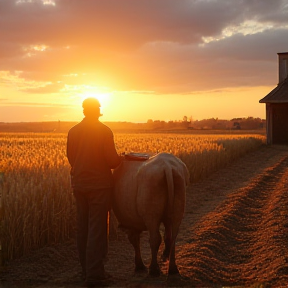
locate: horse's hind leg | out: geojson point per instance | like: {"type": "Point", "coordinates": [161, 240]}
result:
{"type": "Point", "coordinates": [167, 239]}
{"type": "Point", "coordinates": [155, 241]}
{"type": "Point", "coordinates": [173, 269]}
{"type": "Point", "coordinates": [134, 238]}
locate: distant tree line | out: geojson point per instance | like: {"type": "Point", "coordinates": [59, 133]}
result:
{"type": "Point", "coordinates": [249, 123]}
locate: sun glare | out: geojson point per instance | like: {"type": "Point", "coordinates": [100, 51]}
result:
{"type": "Point", "coordinates": [104, 98]}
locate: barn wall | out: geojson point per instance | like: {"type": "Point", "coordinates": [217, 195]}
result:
{"type": "Point", "coordinates": [278, 123]}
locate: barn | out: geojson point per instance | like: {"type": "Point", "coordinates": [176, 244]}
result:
{"type": "Point", "coordinates": [277, 106]}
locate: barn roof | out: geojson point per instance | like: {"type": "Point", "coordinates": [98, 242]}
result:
{"type": "Point", "coordinates": [278, 95]}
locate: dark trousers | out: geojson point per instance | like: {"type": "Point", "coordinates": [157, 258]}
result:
{"type": "Point", "coordinates": [92, 242]}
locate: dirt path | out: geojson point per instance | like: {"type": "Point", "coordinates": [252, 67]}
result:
{"type": "Point", "coordinates": [235, 233]}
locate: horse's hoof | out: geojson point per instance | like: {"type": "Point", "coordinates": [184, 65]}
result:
{"type": "Point", "coordinates": [173, 271]}
{"type": "Point", "coordinates": [140, 269]}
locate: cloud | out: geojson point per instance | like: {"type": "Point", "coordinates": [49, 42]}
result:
{"type": "Point", "coordinates": [130, 23]}
{"type": "Point", "coordinates": [154, 45]}
{"type": "Point", "coordinates": [49, 88]}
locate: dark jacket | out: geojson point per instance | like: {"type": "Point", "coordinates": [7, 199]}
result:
{"type": "Point", "coordinates": [91, 153]}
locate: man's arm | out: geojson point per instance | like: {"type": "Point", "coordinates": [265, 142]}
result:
{"type": "Point", "coordinates": [113, 159]}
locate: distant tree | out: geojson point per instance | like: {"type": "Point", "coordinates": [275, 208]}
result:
{"type": "Point", "coordinates": [236, 125]}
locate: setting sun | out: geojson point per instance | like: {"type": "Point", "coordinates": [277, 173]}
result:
{"type": "Point", "coordinates": [104, 98]}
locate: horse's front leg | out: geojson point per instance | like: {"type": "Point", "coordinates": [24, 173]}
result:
{"type": "Point", "coordinates": [134, 238]}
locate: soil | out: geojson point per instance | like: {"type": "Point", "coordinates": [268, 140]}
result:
{"type": "Point", "coordinates": [234, 233]}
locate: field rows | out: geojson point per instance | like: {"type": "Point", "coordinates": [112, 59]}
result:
{"type": "Point", "coordinates": [37, 205]}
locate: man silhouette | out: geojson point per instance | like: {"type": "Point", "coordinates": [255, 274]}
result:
{"type": "Point", "coordinates": [91, 153]}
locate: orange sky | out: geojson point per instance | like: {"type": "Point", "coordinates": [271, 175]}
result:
{"type": "Point", "coordinates": [159, 59]}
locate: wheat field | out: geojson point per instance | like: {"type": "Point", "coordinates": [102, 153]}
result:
{"type": "Point", "coordinates": [37, 205]}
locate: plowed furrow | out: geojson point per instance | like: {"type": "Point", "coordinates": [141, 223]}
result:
{"type": "Point", "coordinates": [239, 242]}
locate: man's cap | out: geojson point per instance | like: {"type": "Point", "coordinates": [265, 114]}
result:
{"type": "Point", "coordinates": [91, 103]}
